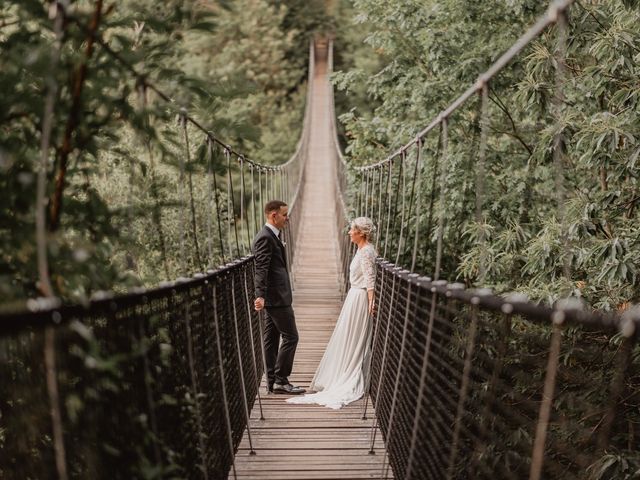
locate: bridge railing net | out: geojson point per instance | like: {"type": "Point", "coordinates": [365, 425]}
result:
{"type": "Point", "coordinates": [463, 383]}
{"type": "Point", "coordinates": [140, 381]}
{"type": "Point", "coordinates": [468, 384]}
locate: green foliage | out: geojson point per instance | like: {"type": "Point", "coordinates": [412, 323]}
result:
{"type": "Point", "coordinates": [424, 54]}
{"type": "Point", "coordinates": [238, 67]}
{"type": "Point", "coordinates": [618, 467]}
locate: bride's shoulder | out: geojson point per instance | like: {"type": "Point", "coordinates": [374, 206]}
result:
{"type": "Point", "coordinates": [369, 249]}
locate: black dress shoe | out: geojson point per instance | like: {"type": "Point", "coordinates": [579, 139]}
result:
{"type": "Point", "coordinates": [288, 389]}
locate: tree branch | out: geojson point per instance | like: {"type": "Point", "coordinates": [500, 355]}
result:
{"type": "Point", "coordinates": [72, 122]}
{"type": "Point", "coordinates": [514, 129]}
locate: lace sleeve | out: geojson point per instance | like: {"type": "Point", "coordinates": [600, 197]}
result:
{"type": "Point", "coordinates": [368, 263]}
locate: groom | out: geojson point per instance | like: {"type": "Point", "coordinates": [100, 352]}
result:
{"type": "Point", "coordinates": [273, 294]}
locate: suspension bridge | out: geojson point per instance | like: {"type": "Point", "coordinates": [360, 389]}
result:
{"type": "Point", "coordinates": [167, 382]}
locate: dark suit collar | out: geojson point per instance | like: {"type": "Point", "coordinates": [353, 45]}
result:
{"type": "Point", "coordinates": [273, 234]}
{"type": "Point", "coordinates": [270, 232]}
{"type": "Point", "coordinates": [280, 243]}
{"type": "Point", "coordinates": [270, 227]}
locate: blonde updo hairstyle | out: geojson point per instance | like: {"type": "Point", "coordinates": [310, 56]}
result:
{"type": "Point", "coordinates": [365, 226]}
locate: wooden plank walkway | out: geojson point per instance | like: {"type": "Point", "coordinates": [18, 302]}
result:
{"type": "Point", "coordinates": [310, 441]}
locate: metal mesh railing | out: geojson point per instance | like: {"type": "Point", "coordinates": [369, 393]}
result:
{"type": "Point", "coordinates": [155, 383]}
{"type": "Point", "coordinates": [470, 385]}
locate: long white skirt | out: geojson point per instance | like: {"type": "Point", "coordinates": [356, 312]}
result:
{"type": "Point", "coordinates": [340, 377]}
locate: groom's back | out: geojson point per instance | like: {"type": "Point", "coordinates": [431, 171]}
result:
{"type": "Point", "coordinates": [271, 275]}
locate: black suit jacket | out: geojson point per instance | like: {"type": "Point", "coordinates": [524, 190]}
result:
{"type": "Point", "coordinates": [272, 277]}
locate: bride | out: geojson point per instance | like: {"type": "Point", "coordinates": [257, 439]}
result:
{"type": "Point", "coordinates": [340, 377]}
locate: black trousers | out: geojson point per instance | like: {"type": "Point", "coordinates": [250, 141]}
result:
{"type": "Point", "coordinates": [279, 322]}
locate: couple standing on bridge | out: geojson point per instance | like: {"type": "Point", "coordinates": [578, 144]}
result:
{"type": "Point", "coordinates": [340, 377]}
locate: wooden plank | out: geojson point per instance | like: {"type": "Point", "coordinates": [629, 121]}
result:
{"type": "Point", "coordinates": [310, 441]}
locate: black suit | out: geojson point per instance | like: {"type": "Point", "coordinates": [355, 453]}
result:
{"type": "Point", "coordinates": [273, 284]}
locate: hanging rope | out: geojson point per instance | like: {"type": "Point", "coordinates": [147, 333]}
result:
{"type": "Point", "coordinates": [388, 201]}
{"type": "Point", "coordinates": [558, 141]}
{"type": "Point", "coordinates": [417, 179]}
{"type": "Point", "coordinates": [443, 183]}
{"type": "Point", "coordinates": [404, 183]}
{"type": "Point", "coordinates": [254, 208]}
{"type": "Point", "coordinates": [192, 206]}
{"type": "Point", "coordinates": [480, 173]}
{"type": "Point", "coordinates": [231, 205]}
{"type": "Point", "coordinates": [216, 194]}
{"type": "Point", "coordinates": [210, 205]}
{"type": "Point", "coordinates": [156, 213]}
{"type": "Point", "coordinates": [244, 210]}
{"type": "Point", "coordinates": [181, 214]}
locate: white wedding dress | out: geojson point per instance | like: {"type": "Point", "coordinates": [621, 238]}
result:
{"type": "Point", "coordinates": [340, 377]}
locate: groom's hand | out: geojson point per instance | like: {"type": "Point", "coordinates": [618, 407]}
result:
{"type": "Point", "coordinates": [258, 303]}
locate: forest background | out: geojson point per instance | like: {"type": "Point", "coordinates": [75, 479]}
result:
{"type": "Point", "coordinates": [239, 67]}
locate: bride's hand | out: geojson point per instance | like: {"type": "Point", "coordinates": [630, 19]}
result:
{"type": "Point", "coordinates": [372, 308]}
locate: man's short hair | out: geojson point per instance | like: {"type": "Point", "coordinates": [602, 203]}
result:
{"type": "Point", "coordinates": [273, 206]}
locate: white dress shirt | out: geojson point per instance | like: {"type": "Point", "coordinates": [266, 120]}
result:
{"type": "Point", "coordinates": [273, 229]}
